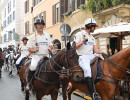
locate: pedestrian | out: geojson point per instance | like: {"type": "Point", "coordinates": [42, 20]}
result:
{"type": "Point", "coordinates": [86, 47]}
{"type": "Point", "coordinates": [39, 44]}
{"type": "Point", "coordinates": [116, 51]}
{"type": "Point", "coordinates": [110, 52]}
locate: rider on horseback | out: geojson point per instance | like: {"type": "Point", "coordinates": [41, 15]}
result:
{"type": "Point", "coordinates": [39, 44]}
{"type": "Point", "coordinates": [0, 49]}
{"type": "Point", "coordinates": [86, 46]}
{"type": "Point", "coordinates": [24, 53]}
{"type": "Point", "coordinates": [10, 49]}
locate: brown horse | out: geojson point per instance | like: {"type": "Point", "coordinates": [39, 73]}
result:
{"type": "Point", "coordinates": [1, 61]}
{"type": "Point", "coordinates": [113, 70]}
{"type": "Point", "coordinates": [48, 80]}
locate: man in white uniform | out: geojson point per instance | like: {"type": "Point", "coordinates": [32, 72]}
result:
{"type": "Point", "coordinates": [39, 44]}
{"type": "Point", "coordinates": [23, 51]}
{"type": "Point", "coordinates": [86, 46]}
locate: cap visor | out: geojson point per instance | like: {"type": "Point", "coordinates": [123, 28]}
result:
{"type": "Point", "coordinates": [97, 26]}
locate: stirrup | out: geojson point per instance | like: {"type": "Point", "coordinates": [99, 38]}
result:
{"type": "Point", "coordinates": [96, 96]}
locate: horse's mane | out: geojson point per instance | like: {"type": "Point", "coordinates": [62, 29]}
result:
{"type": "Point", "coordinates": [120, 53]}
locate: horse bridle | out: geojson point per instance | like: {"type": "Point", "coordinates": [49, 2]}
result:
{"type": "Point", "coordinates": [65, 72]}
{"type": "Point", "coordinates": [121, 68]}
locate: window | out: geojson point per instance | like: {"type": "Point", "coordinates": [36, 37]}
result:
{"type": "Point", "coordinates": [40, 0]}
{"type": "Point", "coordinates": [10, 35]}
{"type": "Point", "coordinates": [4, 24]}
{"type": "Point", "coordinates": [13, 33]}
{"type": "Point", "coordinates": [72, 5]}
{"type": "Point", "coordinates": [4, 37]}
{"type": "Point", "coordinates": [79, 2]}
{"type": "Point", "coordinates": [5, 13]}
{"type": "Point", "coordinates": [14, 15]}
{"type": "Point", "coordinates": [35, 2]}
{"type": "Point", "coordinates": [63, 6]}
{"type": "Point", "coordinates": [10, 5]}
{"type": "Point", "coordinates": [13, 3]}
{"type": "Point", "coordinates": [8, 8]}
{"type": "Point", "coordinates": [34, 19]}
{"type": "Point", "coordinates": [43, 16]}
{"type": "Point", "coordinates": [26, 6]}
{"type": "Point", "coordinates": [8, 19]}
{"type": "Point", "coordinates": [27, 28]}
{"type": "Point", "coordinates": [56, 13]}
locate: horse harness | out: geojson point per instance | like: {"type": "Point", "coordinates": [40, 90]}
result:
{"type": "Point", "coordinates": [121, 68]}
{"type": "Point", "coordinates": [64, 72]}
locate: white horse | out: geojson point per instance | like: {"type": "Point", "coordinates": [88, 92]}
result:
{"type": "Point", "coordinates": [11, 62]}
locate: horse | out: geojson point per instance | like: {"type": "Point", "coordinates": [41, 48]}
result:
{"type": "Point", "coordinates": [10, 62]}
{"type": "Point", "coordinates": [113, 69]}
{"type": "Point", "coordinates": [1, 61]}
{"type": "Point", "coordinates": [47, 80]}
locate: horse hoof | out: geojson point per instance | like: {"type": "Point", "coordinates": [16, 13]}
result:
{"type": "Point", "coordinates": [10, 75]}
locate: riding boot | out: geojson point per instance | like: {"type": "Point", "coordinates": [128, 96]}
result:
{"type": "Point", "coordinates": [92, 91]}
{"type": "Point", "coordinates": [29, 79]}
{"type": "Point", "coordinates": [17, 66]}
{"type": "Point", "coordinates": [10, 73]}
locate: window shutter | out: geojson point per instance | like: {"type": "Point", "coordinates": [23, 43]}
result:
{"type": "Point", "coordinates": [73, 5]}
{"type": "Point", "coordinates": [44, 16]}
{"type": "Point", "coordinates": [82, 1]}
{"type": "Point", "coordinates": [66, 6]}
{"type": "Point", "coordinates": [54, 14]}
{"type": "Point", "coordinates": [78, 3]}
{"type": "Point", "coordinates": [62, 7]}
{"type": "Point", "coordinates": [27, 5]}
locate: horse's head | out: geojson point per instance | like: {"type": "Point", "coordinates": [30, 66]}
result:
{"type": "Point", "coordinates": [11, 54]}
{"type": "Point", "coordinates": [71, 62]}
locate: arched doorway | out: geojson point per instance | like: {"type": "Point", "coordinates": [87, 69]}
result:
{"type": "Point", "coordinates": [73, 34]}
{"type": "Point", "coordinates": [57, 46]}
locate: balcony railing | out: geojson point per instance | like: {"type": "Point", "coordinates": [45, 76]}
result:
{"type": "Point", "coordinates": [99, 5]}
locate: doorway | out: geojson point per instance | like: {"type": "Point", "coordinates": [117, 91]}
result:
{"type": "Point", "coordinates": [115, 44]}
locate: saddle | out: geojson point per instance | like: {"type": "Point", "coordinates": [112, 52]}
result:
{"type": "Point", "coordinates": [96, 68]}
{"type": "Point", "coordinates": [39, 66]}
{"type": "Point", "coordinates": [22, 61]}
{"type": "Point", "coordinates": [28, 62]}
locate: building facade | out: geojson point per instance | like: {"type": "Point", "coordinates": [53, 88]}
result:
{"type": "Point", "coordinates": [11, 22]}
{"type": "Point", "coordinates": [73, 12]}
{"type": "Point", "coordinates": [105, 17]}
{"type": "Point", "coordinates": [49, 11]}
{"type": "Point", "coordinates": [0, 25]}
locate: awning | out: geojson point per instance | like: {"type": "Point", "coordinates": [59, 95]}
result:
{"type": "Point", "coordinates": [118, 30]}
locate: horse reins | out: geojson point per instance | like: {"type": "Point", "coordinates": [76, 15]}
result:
{"type": "Point", "coordinates": [126, 70]}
